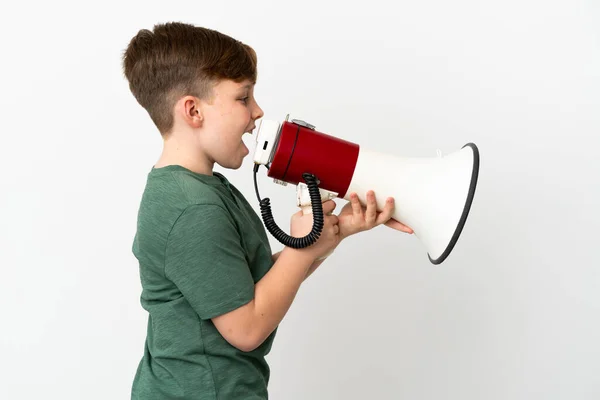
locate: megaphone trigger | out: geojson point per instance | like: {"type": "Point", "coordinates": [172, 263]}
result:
{"type": "Point", "coordinates": [304, 201]}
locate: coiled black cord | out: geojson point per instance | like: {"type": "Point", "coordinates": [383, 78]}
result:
{"type": "Point", "coordinates": [317, 208]}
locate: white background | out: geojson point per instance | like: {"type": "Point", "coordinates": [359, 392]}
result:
{"type": "Point", "coordinates": [514, 313]}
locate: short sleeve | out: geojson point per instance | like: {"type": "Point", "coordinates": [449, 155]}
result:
{"type": "Point", "coordinates": [205, 259]}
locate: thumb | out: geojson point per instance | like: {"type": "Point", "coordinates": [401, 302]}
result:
{"type": "Point", "coordinates": [329, 206]}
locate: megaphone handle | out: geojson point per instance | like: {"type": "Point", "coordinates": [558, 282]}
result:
{"type": "Point", "coordinates": [308, 210]}
{"type": "Point", "coordinates": [304, 202]}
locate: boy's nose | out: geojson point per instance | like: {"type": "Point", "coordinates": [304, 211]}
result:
{"type": "Point", "coordinates": [258, 112]}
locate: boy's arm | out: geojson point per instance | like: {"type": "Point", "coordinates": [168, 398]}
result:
{"type": "Point", "coordinates": [249, 325]}
{"type": "Point", "coordinates": [276, 256]}
{"type": "Point", "coordinates": [208, 265]}
{"type": "Point", "coordinates": [311, 269]}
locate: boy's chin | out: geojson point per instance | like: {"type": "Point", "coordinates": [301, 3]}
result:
{"type": "Point", "coordinates": [236, 160]}
{"type": "Point", "coordinates": [231, 164]}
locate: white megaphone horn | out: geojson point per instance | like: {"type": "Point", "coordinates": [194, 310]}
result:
{"type": "Point", "coordinates": [433, 195]}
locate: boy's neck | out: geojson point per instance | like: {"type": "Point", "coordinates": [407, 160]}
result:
{"type": "Point", "coordinates": [186, 155]}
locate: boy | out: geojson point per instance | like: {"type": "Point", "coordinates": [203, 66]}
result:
{"type": "Point", "coordinates": [214, 292]}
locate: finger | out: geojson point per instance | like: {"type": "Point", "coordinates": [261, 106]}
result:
{"type": "Point", "coordinates": [333, 219]}
{"type": "Point", "coordinates": [387, 212]}
{"type": "Point", "coordinates": [329, 206]}
{"type": "Point", "coordinates": [356, 206]}
{"type": "Point", "coordinates": [371, 213]}
{"type": "Point", "coordinates": [399, 226]}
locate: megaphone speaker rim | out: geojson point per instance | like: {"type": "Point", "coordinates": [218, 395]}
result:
{"type": "Point", "coordinates": [466, 209]}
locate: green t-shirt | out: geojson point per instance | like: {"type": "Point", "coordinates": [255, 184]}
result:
{"type": "Point", "coordinates": [201, 248]}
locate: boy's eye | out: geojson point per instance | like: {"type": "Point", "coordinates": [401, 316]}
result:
{"type": "Point", "coordinates": [244, 100]}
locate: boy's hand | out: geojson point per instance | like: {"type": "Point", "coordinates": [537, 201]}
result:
{"type": "Point", "coordinates": [355, 218]}
{"type": "Point", "coordinates": [301, 225]}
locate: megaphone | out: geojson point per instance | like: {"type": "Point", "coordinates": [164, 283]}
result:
{"type": "Point", "coordinates": [432, 195]}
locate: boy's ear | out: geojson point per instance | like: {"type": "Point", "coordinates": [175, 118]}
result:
{"type": "Point", "coordinates": [192, 113]}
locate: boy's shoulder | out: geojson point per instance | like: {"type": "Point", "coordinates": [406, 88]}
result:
{"type": "Point", "coordinates": [169, 192]}
{"type": "Point", "coordinates": [176, 187]}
